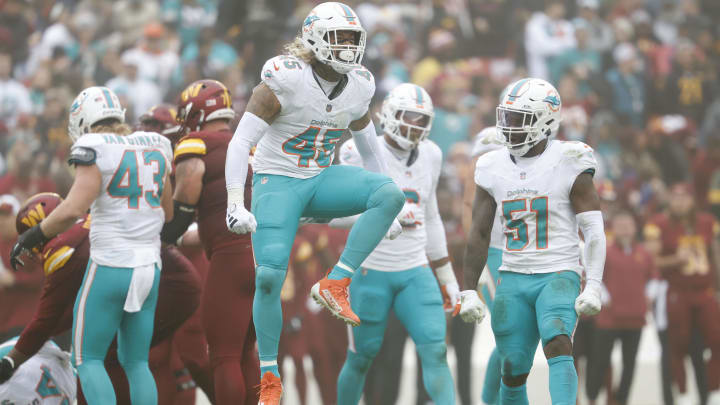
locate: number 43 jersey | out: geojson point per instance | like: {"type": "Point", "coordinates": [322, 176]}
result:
{"type": "Point", "coordinates": [127, 214]}
{"type": "Point", "coordinates": [301, 141]}
{"type": "Point", "coordinates": [533, 203]}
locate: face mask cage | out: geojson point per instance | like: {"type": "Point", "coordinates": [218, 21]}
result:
{"type": "Point", "coordinates": [517, 127]}
{"type": "Point", "coordinates": [409, 128]}
{"type": "Point", "coordinates": [347, 56]}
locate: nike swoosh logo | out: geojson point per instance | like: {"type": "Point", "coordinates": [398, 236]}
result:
{"type": "Point", "coordinates": [275, 66]}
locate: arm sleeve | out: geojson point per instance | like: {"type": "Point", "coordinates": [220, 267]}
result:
{"type": "Point", "coordinates": [436, 246]}
{"type": "Point", "coordinates": [592, 227]}
{"type": "Point", "coordinates": [369, 148]}
{"type": "Point", "coordinates": [248, 133]}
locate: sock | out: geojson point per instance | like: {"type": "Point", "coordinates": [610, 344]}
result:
{"type": "Point", "coordinates": [383, 206]}
{"type": "Point", "coordinates": [513, 395]}
{"type": "Point", "coordinates": [341, 271]}
{"type": "Point", "coordinates": [270, 366]}
{"type": "Point", "coordinates": [436, 373]}
{"type": "Point", "coordinates": [563, 380]}
{"type": "Point", "coordinates": [267, 316]}
{"type": "Point", "coordinates": [491, 385]}
{"type": "Point", "coordinates": [351, 380]}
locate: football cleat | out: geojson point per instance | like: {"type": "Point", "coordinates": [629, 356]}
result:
{"type": "Point", "coordinates": [270, 389]}
{"type": "Point", "coordinates": [333, 295]}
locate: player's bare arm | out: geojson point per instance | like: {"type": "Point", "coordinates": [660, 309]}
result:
{"type": "Point", "coordinates": [167, 201]}
{"type": "Point", "coordinates": [583, 194]}
{"type": "Point", "coordinates": [361, 122]}
{"type": "Point", "coordinates": [188, 180]}
{"type": "Point", "coordinates": [476, 252]}
{"type": "Point", "coordinates": [263, 103]}
{"type": "Point", "coordinates": [83, 192]}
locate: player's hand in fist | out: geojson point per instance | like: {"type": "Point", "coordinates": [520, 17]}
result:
{"type": "Point", "coordinates": [451, 298]}
{"type": "Point", "coordinates": [394, 231]}
{"type": "Point", "coordinates": [472, 309]}
{"type": "Point", "coordinates": [409, 216]}
{"type": "Point", "coordinates": [238, 219]}
{"type": "Point", "coordinates": [589, 302]}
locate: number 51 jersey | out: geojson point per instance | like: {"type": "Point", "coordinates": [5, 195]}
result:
{"type": "Point", "coordinates": [301, 140]}
{"type": "Point", "coordinates": [127, 214]}
{"type": "Point", "coordinates": [539, 225]}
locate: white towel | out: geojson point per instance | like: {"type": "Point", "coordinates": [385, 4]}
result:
{"type": "Point", "coordinates": [140, 285]}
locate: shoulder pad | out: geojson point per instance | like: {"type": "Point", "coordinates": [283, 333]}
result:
{"type": "Point", "coordinates": [579, 156]}
{"type": "Point", "coordinates": [365, 81]}
{"type": "Point", "coordinates": [55, 258]}
{"type": "Point", "coordinates": [82, 155]}
{"type": "Point", "coordinates": [282, 71]}
{"type": "Point", "coordinates": [190, 146]}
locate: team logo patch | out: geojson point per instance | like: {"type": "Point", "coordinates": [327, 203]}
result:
{"type": "Point", "coordinates": [267, 74]}
{"type": "Point", "coordinates": [264, 180]}
{"type": "Point", "coordinates": [553, 101]}
{"type": "Point", "coordinates": [310, 19]}
{"type": "Point", "coordinates": [328, 107]}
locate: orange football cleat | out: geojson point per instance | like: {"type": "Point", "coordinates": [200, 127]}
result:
{"type": "Point", "coordinates": [270, 389]}
{"type": "Point", "coordinates": [333, 295]}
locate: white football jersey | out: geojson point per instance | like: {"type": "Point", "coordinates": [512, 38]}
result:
{"type": "Point", "coordinates": [127, 215]}
{"type": "Point", "coordinates": [301, 140]}
{"type": "Point", "coordinates": [541, 232]}
{"type": "Point", "coordinates": [47, 378]}
{"type": "Point", "coordinates": [419, 182]}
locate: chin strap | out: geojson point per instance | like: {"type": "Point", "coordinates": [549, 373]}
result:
{"type": "Point", "coordinates": [414, 153]}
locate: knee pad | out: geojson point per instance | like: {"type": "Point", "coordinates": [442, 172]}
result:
{"type": "Point", "coordinates": [360, 363]}
{"type": "Point", "coordinates": [390, 196]}
{"type": "Point", "coordinates": [269, 281]}
{"type": "Point", "coordinates": [558, 346]}
{"type": "Point", "coordinates": [516, 364]}
{"type": "Point", "coordinates": [432, 354]}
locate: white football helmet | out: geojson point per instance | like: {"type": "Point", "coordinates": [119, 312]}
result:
{"type": "Point", "coordinates": [92, 105]}
{"type": "Point", "coordinates": [319, 33]}
{"type": "Point", "coordinates": [406, 115]}
{"type": "Point", "coordinates": [529, 112]}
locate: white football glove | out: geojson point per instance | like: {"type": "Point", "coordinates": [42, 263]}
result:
{"type": "Point", "coordinates": [589, 302]}
{"type": "Point", "coordinates": [394, 231]}
{"type": "Point", "coordinates": [238, 219]}
{"type": "Point", "coordinates": [472, 309]}
{"type": "Point", "coordinates": [409, 215]}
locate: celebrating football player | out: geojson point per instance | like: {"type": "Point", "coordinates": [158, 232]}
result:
{"type": "Point", "coordinates": [530, 183]}
{"type": "Point", "coordinates": [306, 100]}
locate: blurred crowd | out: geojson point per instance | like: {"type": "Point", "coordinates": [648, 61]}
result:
{"type": "Point", "coordinates": [638, 80]}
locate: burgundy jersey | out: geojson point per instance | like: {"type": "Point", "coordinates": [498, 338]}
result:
{"type": "Point", "coordinates": [693, 243]}
{"type": "Point", "coordinates": [211, 148]}
{"type": "Point", "coordinates": [64, 260]}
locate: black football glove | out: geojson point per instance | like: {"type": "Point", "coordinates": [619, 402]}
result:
{"type": "Point", "coordinates": [7, 368]}
{"type": "Point", "coordinates": [30, 239]}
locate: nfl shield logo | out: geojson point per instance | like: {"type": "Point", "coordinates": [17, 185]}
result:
{"type": "Point", "coordinates": [328, 107]}
{"type": "Point", "coordinates": [522, 175]}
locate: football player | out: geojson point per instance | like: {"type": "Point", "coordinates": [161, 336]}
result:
{"type": "Point", "coordinates": [45, 378]}
{"type": "Point", "coordinates": [204, 113]}
{"type": "Point", "coordinates": [306, 101]}
{"type": "Point", "coordinates": [397, 276]}
{"type": "Point", "coordinates": [543, 191]}
{"type": "Point", "coordinates": [64, 259]}
{"type": "Point", "coordinates": [163, 120]}
{"type": "Point", "coordinates": [123, 177]}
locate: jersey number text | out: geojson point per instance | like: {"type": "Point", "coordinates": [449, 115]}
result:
{"type": "Point", "coordinates": [309, 145]}
{"type": "Point", "coordinates": [131, 188]}
{"type": "Point", "coordinates": [518, 239]}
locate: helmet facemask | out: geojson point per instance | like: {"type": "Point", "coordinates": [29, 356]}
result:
{"type": "Point", "coordinates": [342, 57]}
{"type": "Point", "coordinates": [520, 129]}
{"type": "Point", "coordinates": [408, 128]}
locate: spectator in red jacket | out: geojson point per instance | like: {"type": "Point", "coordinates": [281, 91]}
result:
{"type": "Point", "coordinates": [629, 280]}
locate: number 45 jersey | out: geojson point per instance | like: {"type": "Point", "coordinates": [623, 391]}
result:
{"type": "Point", "coordinates": [301, 141]}
{"type": "Point", "coordinates": [127, 214]}
{"type": "Point", "coordinates": [539, 225]}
